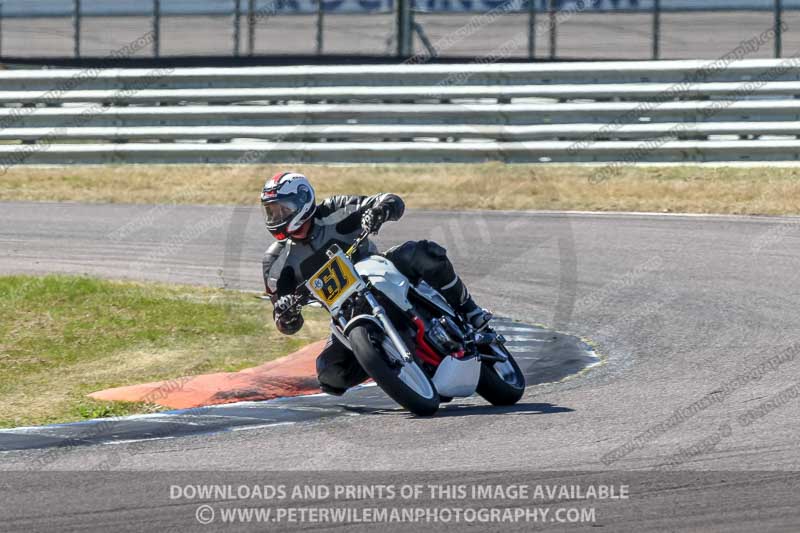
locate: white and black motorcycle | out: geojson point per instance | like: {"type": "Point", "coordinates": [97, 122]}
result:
{"type": "Point", "coordinates": [407, 338]}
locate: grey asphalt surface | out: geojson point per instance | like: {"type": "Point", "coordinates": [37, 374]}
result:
{"type": "Point", "coordinates": [686, 309]}
{"type": "Point", "coordinates": [543, 355]}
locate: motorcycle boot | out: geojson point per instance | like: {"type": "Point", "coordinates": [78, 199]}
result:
{"type": "Point", "coordinates": [458, 296]}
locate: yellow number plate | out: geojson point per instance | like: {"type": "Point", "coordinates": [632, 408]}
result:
{"type": "Point", "coordinates": [332, 281]}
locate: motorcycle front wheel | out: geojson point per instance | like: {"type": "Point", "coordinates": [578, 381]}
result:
{"type": "Point", "coordinates": [501, 383]}
{"type": "Point", "coordinates": [405, 383]}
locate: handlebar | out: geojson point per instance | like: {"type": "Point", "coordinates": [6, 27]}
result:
{"type": "Point", "coordinates": [356, 243]}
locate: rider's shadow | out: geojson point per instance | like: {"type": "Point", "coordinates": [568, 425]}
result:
{"type": "Point", "coordinates": [470, 410]}
{"type": "Point", "coordinates": [517, 409]}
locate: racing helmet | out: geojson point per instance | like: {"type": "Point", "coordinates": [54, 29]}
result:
{"type": "Point", "coordinates": [287, 202]}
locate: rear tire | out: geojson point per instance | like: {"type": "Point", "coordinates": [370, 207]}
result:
{"type": "Point", "coordinates": [503, 384]}
{"type": "Point", "coordinates": [370, 354]}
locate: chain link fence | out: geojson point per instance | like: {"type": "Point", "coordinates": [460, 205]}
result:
{"type": "Point", "coordinates": [510, 30]}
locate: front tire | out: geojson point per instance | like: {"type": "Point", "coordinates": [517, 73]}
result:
{"type": "Point", "coordinates": [408, 385]}
{"type": "Point", "coordinates": [501, 383]}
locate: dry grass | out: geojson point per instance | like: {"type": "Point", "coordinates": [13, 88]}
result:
{"type": "Point", "coordinates": [445, 186]}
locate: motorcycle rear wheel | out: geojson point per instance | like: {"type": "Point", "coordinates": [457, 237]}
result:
{"type": "Point", "coordinates": [407, 384]}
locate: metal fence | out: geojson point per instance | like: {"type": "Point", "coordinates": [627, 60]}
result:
{"type": "Point", "coordinates": [513, 29]}
{"type": "Point", "coordinates": [617, 112]}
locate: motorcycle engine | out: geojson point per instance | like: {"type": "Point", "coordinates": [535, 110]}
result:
{"type": "Point", "coordinates": [445, 335]}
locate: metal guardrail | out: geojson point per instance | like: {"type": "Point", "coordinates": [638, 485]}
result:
{"type": "Point", "coordinates": [395, 132]}
{"type": "Point", "coordinates": [433, 75]}
{"type": "Point", "coordinates": [534, 152]}
{"type": "Point", "coordinates": [579, 112]}
{"type": "Point", "coordinates": [562, 92]}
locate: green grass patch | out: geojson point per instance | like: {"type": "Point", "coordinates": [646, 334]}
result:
{"type": "Point", "coordinates": [62, 337]}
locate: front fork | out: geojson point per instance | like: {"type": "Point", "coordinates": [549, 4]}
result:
{"type": "Point", "coordinates": [388, 327]}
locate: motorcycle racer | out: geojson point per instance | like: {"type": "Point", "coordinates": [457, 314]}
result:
{"type": "Point", "coordinates": [304, 230]}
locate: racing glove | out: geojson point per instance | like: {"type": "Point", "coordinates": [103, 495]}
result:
{"type": "Point", "coordinates": [373, 218]}
{"type": "Point", "coordinates": [287, 315]}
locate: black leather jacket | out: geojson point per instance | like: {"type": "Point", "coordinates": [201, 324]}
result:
{"type": "Point", "coordinates": [337, 220]}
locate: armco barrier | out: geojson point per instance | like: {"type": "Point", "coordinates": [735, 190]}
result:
{"type": "Point", "coordinates": [667, 111]}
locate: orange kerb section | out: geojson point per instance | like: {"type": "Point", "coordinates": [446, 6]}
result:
{"type": "Point", "coordinates": [292, 375]}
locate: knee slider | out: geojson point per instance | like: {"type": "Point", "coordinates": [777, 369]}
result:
{"type": "Point", "coordinates": [330, 375]}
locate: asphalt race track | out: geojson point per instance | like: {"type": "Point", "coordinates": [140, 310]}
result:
{"type": "Point", "coordinates": [696, 315]}
{"type": "Point", "coordinates": [543, 355]}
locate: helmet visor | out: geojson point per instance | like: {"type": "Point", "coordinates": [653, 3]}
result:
{"type": "Point", "coordinates": [279, 212]}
